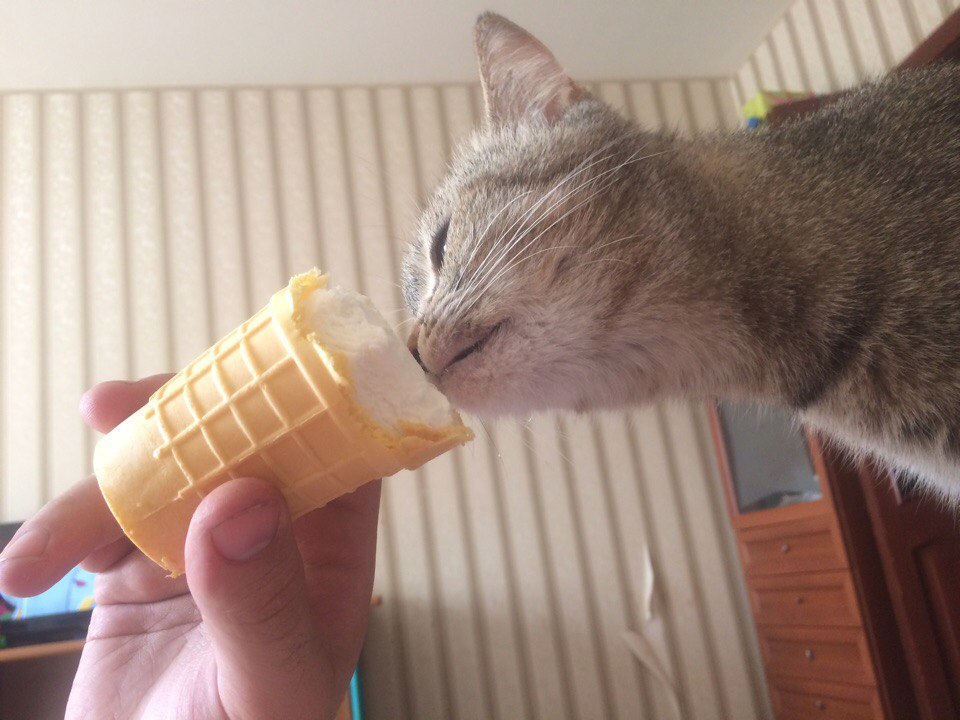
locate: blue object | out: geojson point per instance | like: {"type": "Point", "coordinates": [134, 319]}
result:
{"type": "Point", "coordinates": [356, 706]}
{"type": "Point", "coordinates": [72, 593]}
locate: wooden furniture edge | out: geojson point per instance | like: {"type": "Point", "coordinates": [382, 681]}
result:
{"type": "Point", "coordinates": [942, 44]}
{"type": "Point", "coordinates": [30, 652]}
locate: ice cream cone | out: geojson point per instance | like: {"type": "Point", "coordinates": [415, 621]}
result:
{"type": "Point", "coordinates": [268, 401]}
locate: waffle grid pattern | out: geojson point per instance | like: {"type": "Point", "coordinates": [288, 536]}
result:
{"type": "Point", "coordinates": [244, 407]}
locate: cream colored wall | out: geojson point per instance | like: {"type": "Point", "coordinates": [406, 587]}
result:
{"type": "Point", "coordinates": [136, 226]}
{"type": "Point", "coordinates": [827, 45]}
{"type": "Point", "coordinates": [139, 225]}
{"type": "Point", "coordinates": [117, 43]}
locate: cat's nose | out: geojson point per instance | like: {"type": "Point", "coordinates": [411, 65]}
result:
{"type": "Point", "coordinates": [413, 345]}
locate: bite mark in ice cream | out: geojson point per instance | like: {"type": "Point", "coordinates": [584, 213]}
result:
{"type": "Point", "coordinates": [388, 382]}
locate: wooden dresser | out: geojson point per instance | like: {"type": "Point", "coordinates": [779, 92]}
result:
{"type": "Point", "coordinates": [813, 578]}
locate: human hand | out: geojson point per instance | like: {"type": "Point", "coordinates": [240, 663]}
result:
{"type": "Point", "coordinates": [267, 622]}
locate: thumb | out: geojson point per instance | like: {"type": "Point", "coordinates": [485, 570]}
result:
{"type": "Point", "coordinates": [247, 579]}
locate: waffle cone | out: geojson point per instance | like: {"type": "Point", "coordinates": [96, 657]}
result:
{"type": "Point", "coordinates": [266, 401]}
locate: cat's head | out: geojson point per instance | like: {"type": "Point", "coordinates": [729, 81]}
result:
{"type": "Point", "coordinates": [522, 259]}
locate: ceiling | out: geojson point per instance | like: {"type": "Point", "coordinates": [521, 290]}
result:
{"type": "Point", "coordinates": [111, 43]}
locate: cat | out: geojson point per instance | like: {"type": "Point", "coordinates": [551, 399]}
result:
{"type": "Point", "coordinates": [571, 260]}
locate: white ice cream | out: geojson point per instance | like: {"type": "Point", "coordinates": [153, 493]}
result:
{"type": "Point", "coordinates": [390, 385]}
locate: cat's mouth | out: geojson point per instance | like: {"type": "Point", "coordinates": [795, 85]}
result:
{"type": "Point", "coordinates": [473, 349]}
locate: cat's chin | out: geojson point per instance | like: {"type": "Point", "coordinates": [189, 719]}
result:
{"type": "Point", "coordinates": [471, 398]}
{"type": "Point", "coordinates": [489, 407]}
{"type": "Point", "coordinates": [493, 397]}
{"type": "Point", "coordinates": [480, 394]}
{"type": "Point", "coordinates": [505, 379]}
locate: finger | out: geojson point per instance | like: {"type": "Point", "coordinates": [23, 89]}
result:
{"type": "Point", "coordinates": [136, 579]}
{"type": "Point", "coordinates": [104, 558]}
{"type": "Point", "coordinates": [78, 522]}
{"type": "Point", "coordinates": [56, 539]}
{"type": "Point", "coordinates": [340, 532]}
{"type": "Point", "coordinates": [246, 576]}
{"type": "Point", "coordinates": [106, 405]}
{"type": "Point", "coordinates": [338, 544]}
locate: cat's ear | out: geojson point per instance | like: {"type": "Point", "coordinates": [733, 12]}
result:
{"type": "Point", "coordinates": [521, 78]}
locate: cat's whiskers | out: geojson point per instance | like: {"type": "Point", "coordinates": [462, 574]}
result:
{"type": "Point", "coordinates": [479, 237]}
{"type": "Point", "coordinates": [481, 274]}
{"type": "Point", "coordinates": [513, 283]}
{"type": "Point", "coordinates": [519, 237]}
{"type": "Point", "coordinates": [527, 443]}
{"type": "Point", "coordinates": [482, 426]}
{"type": "Point", "coordinates": [452, 296]}
{"type": "Point", "coordinates": [449, 296]}
{"type": "Point", "coordinates": [494, 248]}
{"type": "Point", "coordinates": [520, 256]}
{"type": "Point", "coordinates": [554, 248]}
{"type": "Point", "coordinates": [584, 165]}
{"type": "Point", "coordinates": [616, 260]}
{"type": "Point", "coordinates": [611, 242]}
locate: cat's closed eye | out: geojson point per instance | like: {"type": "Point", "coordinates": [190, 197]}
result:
{"type": "Point", "coordinates": [439, 245]}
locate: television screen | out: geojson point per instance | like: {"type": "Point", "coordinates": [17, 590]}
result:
{"type": "Point", "coordinates": [60, 613]}
{"type": "Point", "coordinates": [73, 593]}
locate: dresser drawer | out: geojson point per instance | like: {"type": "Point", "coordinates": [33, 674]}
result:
{"type": "Point", "coordinates": [829, 654]}
{"type": "Point", "coordinates": [815, 599]}
{"type": "Point", "coordinates": [810, 544]}
{"type": "Point", "coordinates": [824, 701]}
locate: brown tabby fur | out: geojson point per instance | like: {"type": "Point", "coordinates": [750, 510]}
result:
{"type": "Point", "coordinates": [815, 265]}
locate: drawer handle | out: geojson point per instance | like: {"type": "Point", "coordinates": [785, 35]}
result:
{"type": "Point", "coordinates": [799, 600]}
{"type": "Point", "coordinates": [820, 705]}
{"type": "Point", "coordinates": [808, 654]}
{"type": "Point", "coordinates": [785, 548]}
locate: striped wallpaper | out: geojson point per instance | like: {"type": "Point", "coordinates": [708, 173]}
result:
{"type": "Point", "coordinates": [137, 226]}
{"type": "Point", "coordinates": [826, 45]}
